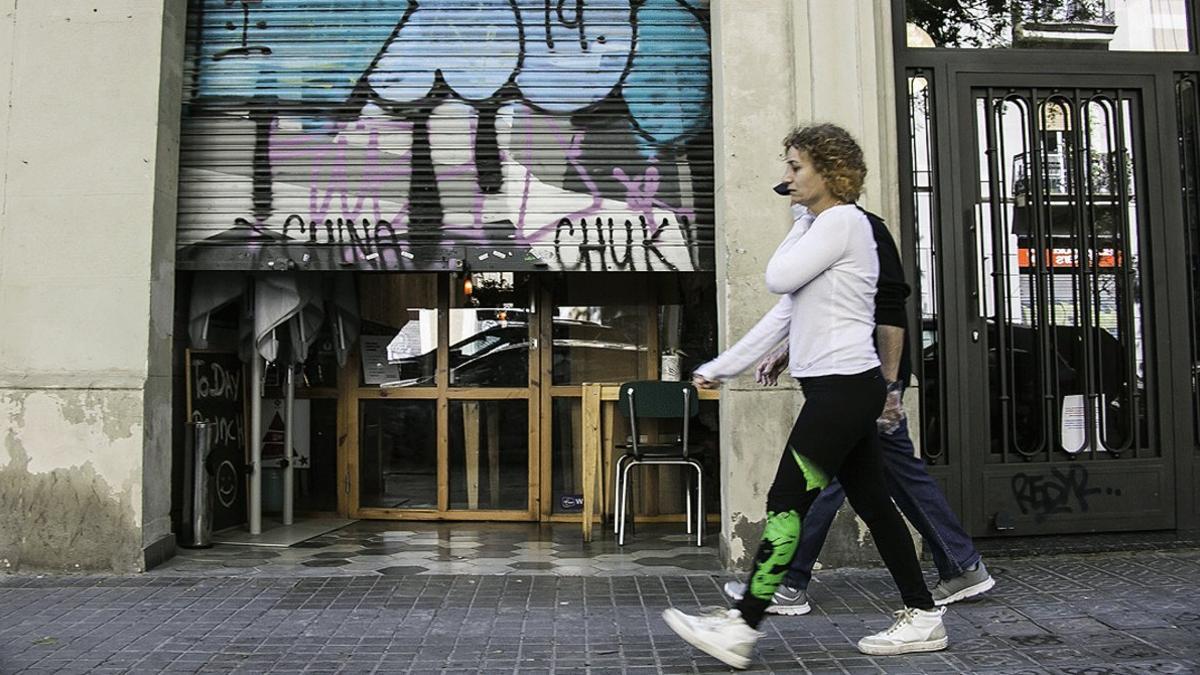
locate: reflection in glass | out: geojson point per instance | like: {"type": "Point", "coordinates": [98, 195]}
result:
{"type": "Point", "coordinates": [398, 346]}
{"type": "Point", "coordinates": [566, 491]}
{"type": "Point", "coordinates": [1109, 25]}
{"type": "Point", "coordinates": [489, 331]}
{"type": "Point", "coordinates": [599, 344]}
{"type": "Point", "coordinates": [397, 454]}
{"type": "Point", "coordinates": [489, 455]}
{"type": "Point", "coordinates": [1059, 269]}
{"type": "Point", "coordinates": [1014, 305]}
{"type": "Point", "coordinates": [928, 369]}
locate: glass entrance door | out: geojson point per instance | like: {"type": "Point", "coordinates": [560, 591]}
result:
{"type": "Point", "coordinates": [463, 400]}
{"type": "Point", "coordinates": [441, 410]}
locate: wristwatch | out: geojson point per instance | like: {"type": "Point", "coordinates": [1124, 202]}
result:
{"type": "Point", "coordinates": [894, 385]}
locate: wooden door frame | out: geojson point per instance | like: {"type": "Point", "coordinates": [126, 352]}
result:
{"type": "Point", "coordinates": [549, 392]}
{"type": "Point", "coordinates": [351, 394]}
{"type": "Point", "coordinates": [540, 393]}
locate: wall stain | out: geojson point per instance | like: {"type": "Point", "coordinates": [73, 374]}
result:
{"type": "Point", "coordinates": [119, 418]}
{"type": "Point", "coordinates": [849, 543]}
{"type": "Point", "coordinates": [746, 534]}
{"type": "Point", "coordinates": [69, 519]}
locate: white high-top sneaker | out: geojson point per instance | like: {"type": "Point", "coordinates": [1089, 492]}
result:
{"type": "Point", "coordinates": [721, 633]}
{"type": "Point", "coordinates": [915, 630]}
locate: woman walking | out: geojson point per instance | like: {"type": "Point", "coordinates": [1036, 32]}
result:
{"type": "Point", "coordinates": [825, 272]}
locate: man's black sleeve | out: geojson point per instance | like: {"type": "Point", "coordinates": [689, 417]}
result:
{"type": "Point", "coordinates": [891, 291]}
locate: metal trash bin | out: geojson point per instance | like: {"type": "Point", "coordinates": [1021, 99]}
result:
{"type": "Point", "coordinates": [200, 503]}
{"type": "Point", "coordinates": [272, 488]}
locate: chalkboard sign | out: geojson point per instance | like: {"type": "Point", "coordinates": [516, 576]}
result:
{"type": "Point", "coordinates": [216, 386]}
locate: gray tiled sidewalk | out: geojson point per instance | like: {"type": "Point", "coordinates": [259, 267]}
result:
{"type": "Point", "coordinates": [406, 548]}
{"type": "Point", "coordinates": [1081, 614]}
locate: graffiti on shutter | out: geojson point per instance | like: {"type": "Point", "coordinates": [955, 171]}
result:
{"type": "Point", "coordinates": [428, 134]}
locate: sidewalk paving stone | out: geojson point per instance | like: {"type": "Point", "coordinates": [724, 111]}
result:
{"type": "Point", "coordinates": [1112, 612]}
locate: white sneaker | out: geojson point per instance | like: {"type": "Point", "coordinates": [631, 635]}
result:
{"type": "Point", "coordinates": [720, 633]}
{"type": "Point", "coordinates": [787, 601]}
{"type": "Point", "coordinates": [915, 630]}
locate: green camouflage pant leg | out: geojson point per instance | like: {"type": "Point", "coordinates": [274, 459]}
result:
{"type": "Point", "coordinates": [782, 535]}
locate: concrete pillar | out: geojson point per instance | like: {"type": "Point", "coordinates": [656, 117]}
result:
{"type": "Point", "coordinates": [778, 63]}
{"type": "Point", "coordinates": [89, 137]}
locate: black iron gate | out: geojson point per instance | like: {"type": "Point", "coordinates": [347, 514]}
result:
{"type": "Point", "coordinates": [1056, 248]}
{"type": "Point", "coordinates": [1187, 88]}
{"type": "Point", "coordinates": [1041, 234]}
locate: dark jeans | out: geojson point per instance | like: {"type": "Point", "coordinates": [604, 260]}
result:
{"type": "Point", "coordinates": [919, 497]}
{"type": "Point", "coordinates": [834, 435]}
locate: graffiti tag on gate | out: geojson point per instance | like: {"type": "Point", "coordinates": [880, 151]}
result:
{"type": "Point", "coordinates": [1060, 491]}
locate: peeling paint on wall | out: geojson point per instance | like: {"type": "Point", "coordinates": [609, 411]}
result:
{"type": "Point", "coordinates": [70, 480]}
{"type": "Point", "coordinates": [746, 533]}
{"type": "Point", "coordinates": [64, 427]}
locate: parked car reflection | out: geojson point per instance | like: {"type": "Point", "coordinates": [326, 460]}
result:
{"type": "Point", "coordinates": [1019, 377]}
{"type": "Point", "coordinates": [498, 356]}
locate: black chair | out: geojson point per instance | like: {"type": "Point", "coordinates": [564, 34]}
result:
{"type": "Point", "coordinates": [652, 399]}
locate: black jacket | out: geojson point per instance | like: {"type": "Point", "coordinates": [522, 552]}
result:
{"type": "Point", "coordinates": [891, 291]}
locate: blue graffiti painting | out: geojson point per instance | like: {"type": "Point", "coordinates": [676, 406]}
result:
{"type": "Point", "coordinates": [475, 46]}
{"type": "Point", "coordinates": [575, 55]}
{"type": "Point", "coordinates": [348, 134]}
{"type": "Point", "coordinates": [667, 89]}
{"type": "Point", "coordinates": [290, 50]}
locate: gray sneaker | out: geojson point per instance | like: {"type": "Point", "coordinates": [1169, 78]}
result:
{"type": "Point", "coordinates": [972, 582]}
{"type": "Point", "coordinates": [787, 601]}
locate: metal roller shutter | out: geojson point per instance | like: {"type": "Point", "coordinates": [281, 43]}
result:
{"type": "Point", "coordinates": [428, 134]}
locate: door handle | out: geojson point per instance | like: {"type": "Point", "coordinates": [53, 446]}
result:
{"type": "Point", "coordinates": [971, 259]}
{"type": "Point", "coordinates": [974, 336]}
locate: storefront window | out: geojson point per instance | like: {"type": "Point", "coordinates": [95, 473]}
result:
{"type": "Point", "coordinates": [598, 343]}
{"type": "Point", "coordinates": [566, 444]}
{"type": "Point", "coordinates": [602, 329]}
{"type": "Point", "coordinates": [398, 346]}
{"type": "Point", "coordinates": [490, 330]}
{"type": "Point", "coordinates": [1105, 25]}
{"type": "Point", "coordinates": [398, 454]}
{"type": "Point", "coordinates": [489, 455]}
{"type": "Point", "coordinates": [612, 329]}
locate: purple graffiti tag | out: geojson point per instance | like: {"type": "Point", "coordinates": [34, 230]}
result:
{"type": "Point", "coordinates": [524, 201]}
{"type": "Point", "coordinates": [572, 151]}
{"type": "Point", "coordinates": [640, 194]}
{"type": "Point", "coordinates": [326, 164]}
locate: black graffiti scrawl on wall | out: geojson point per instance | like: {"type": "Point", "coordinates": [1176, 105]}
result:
{"type": "Point", "coordinates": [1060, 491]}
{"type": "Point", "coordinates": [416, 134]}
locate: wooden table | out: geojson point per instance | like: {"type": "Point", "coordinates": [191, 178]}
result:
{"type": "Point", "coordinates": [599, 414]}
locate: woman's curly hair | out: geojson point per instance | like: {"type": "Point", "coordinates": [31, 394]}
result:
{"type": "Point", "coordinates": [835, 155]}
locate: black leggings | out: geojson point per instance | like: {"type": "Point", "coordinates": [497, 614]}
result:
{"type": "Point", "coordinates": [834, 435]}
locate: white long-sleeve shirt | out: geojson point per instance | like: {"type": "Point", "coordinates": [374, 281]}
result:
{"type": "Point", "coordinates": [826, 271]}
